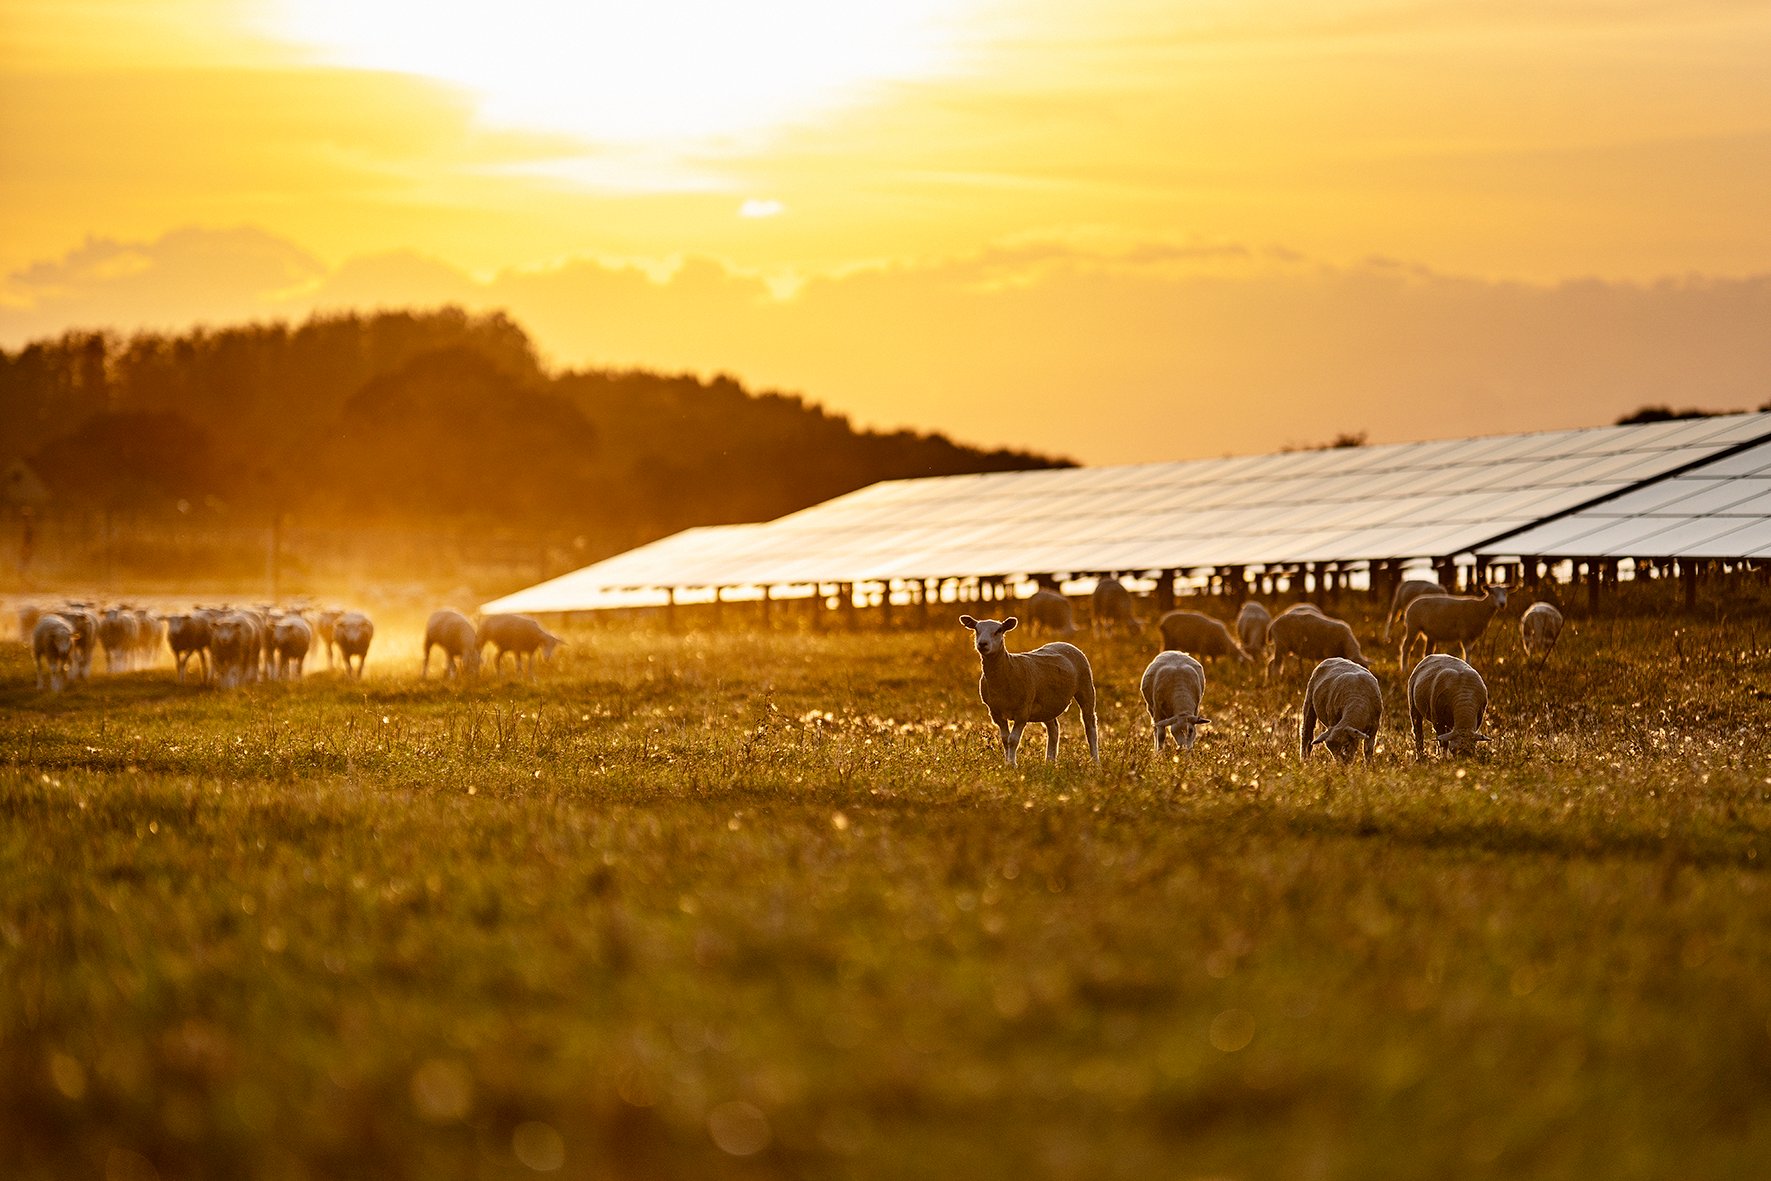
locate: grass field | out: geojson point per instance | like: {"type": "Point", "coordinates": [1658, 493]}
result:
{"type": "Point", "coordinates": [771, 906]}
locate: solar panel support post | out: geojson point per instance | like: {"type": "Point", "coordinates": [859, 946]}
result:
{"type": "Point", "coordinates": [845, 602]}
{"type": "Point", "coordinates": [1594, 571]}
{"type": "Point", "coordinates": [767, 608]}
{"type": "Point", "coordinates": [885, 604]}
{"type": "Point", "coordinates": [922, 602]}
{"type": "Point", "coordinates": [1165, 589]}
{"type": "Point", "coordinates": [1688, 573]}
{"type": "Point", "coordinates": [1237, 578]}
{"type": "Point", "coordinates": [670, 609]}
{"type": "Point", "coordinates": [1528, 571]}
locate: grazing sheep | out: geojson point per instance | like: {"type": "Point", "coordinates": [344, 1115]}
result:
{"type": "Point", "coordinates": [52, 645]}
{"type": "Point", "coordinates": [1407, 591]}
{"type": "Point", "coordinates": [453, 632]}
{"type": "Point", "coordinates": [1347, 700]}
{"type": "Point", "coordinates": [352, 633]}
{"type": "Point", "coordinates": [117, 631]}
{"type": "Point", "coordinates": [187, 636]}
{"type": "Point", "coordinates": [1190, 631]}
{"type": "Point", "coordinates": [1112, 606]}
{"type": "Point", "coordinates": [1038, 686]}
{"type": "Point", "coordinates": [1539, 629]}
{"type": "Point", "coordinates": [1450, 694]}
{"type": "Point", "coordinates": [234, 642]}
{"type": "Point", "coordinates": [1446, 619]}
{"type": "Point", "coordinates": [518, 635]}
{"type": "Point", "coordinates": [1304, 631]}
{"type": "Point", "coordinates": [291, 637]}
{"type": "Point", "coordinates": [1173, 686]}
{"type": "Point", "coordinates": [324, 623]}
{"type": "Point", "coordinates": [1047, 608]}
{"type": "Point", "coordinates": [1252, 623]}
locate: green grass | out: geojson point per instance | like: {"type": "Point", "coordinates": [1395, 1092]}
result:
{"type": "Point", "coordinates": [759, 906]}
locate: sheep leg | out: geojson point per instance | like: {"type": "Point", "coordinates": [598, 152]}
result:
{"type": "Point", "coordinates": [1160, 730]}
{"type": "Point", "coordinates": [1371, 744]}
{"type": "Point", "coordinates": [1307, 730]}
{"type": "Point", "coordinates": [1417, 721]}
{"type": "Point", "coordinates": [1011, 740]}
{"type": "Point", "coordinates": [1275, 664]}
{"type": "Point", "coordinates": [424, 669]}
{"type": "Point", "coordinates": [1051, 741]}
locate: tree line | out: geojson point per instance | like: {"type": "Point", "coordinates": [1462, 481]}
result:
{"type": "Point", "coordinates": [422, 417]}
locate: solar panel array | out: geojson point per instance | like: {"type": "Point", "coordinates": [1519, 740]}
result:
{"type": "Point", "coordinates": [1344, 505]}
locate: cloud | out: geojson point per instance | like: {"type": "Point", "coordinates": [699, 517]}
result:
{"type": "Point", "coordinates": [1139, 352]}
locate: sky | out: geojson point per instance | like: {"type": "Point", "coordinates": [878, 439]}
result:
{"type": "Point", "coordinates": [1122, 231]}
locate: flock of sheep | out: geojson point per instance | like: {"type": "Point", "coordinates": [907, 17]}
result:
{"type": "Point", "coordinates": [1342, 696]}
{"type": "Point", "coordinates": [232, 645]}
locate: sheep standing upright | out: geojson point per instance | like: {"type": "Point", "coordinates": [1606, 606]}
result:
{"type": "Point", "coordinates": [1252, 623]}
{"type": "Point", "coordinates": [1191, 631]}
{"type": "Point", "coordinates": [325, 624]}
{"type": "Point", "coordinates": [84, 621]}
{"type": "Point", "coordinates": [518, 635]}
{"type": "Point", "coordinates": [291, 637]}
{"type": "Point", "coordinates": [1448, 619]}
{"type": "Point", "coordinates": [1173, 686]}
{"type": "Point", "coordinates": [1407, 591]}
{"type": "Point", "coordinates": [1038, 686]}
{"type": "Point", "coordinates": [352, 634]}
{"type": "Point", "coordinates": [52, 650]}
{"type": "Point", "coordinates": [1112, 606]}
{"type": "Point", "coordinates": [1302, 630]}
{"type": "Point", "coordinates": [1539, 629]}
{"type": "Point", "coordinates": [1452, 696]}
{"type": "Point", "coordinates": [188, 635]}
{"type": "Point", "coordinates": [1049, 609]}
{"type": "Point", "coordinates": [1347, 700]}
{"type": "Point", "coordinates": [233, 647]}
{"type": "Point", "coordinates": [117, 631]}
{"type": "Point", "coordinates": [453, 632]}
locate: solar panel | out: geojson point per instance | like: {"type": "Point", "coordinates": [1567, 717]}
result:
{"type": "Point", "coordinates": [1398, 501]}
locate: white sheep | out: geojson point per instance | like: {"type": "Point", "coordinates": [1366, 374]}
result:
{"type": "Point", "coordinates": [1191, 631]}
{"type": "Point", "coordinates": [1447, 619]}
{"type": "Point", "coordinates": [118, 632]}
{"type": "Point", "coordinates": [1047, 608]}
{"type": "Point", "coordinates": [1347, 700]}
{"type": "Point", "coordinates": [291, 637]}
{"type": "Point", "coordinates": [1303, 630]}
{"type": "Point", "coordinates": [234, 642]}
{"type": "Point", "coordinates": [1173, 686]}
{"type": "Point", "coordinates": [1019, 688]}
{"type": "Point", "coordinates": [52, 648]}
{"type": "Point", "coordinates": [1539, 629]}
{"type": "Point", "coordinates": [324, 623]}
{"type": "Point", "coordinates": [453, 632]}
{"type": "Point", "coordinates": [84, 621]}
{"type": "Point", "coordinates": [188, 635]}
{"type": "Point", "coordinates": [352, 633]}
{"type": "Point", "coordinates": [1252, 623]}
{"type": "Point", "coordinates": [518, 635]}
{"type": "Point", "coordinates": [1407, 591]}
{"type": "Point", "coordinates": [1452, 696]}
{"type": "Point", "coordinates": [150, 630]}
{"type": "Point", "coordinates": [1112, 606]}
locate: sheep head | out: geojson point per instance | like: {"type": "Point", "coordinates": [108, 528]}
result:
{"type": "Point", "coordinates": [1343, 741]}
{"type": "Point", "coordinates": [1461, 742]}
{"type": "Point", "coordinates": [988, 633]}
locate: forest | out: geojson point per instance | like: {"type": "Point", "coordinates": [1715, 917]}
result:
{"type": "Point", "coordinates": [419, 419]}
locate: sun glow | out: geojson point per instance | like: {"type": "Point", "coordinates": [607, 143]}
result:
{"type": "Point", "coordinates": [681, 73]}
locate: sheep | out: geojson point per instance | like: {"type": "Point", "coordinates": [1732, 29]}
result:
{"type": "Point", "coordinates": [150, 630]}
{"type": "Point", "coordinates": [352, 633]}
{"type": "Point", "coordinates": [1173, 685]}
{"type": "Point", "coordinates": [1539, 629]}
{"type": "Point", "coordinates": [188, 635]}
{"type": "Point", "coordinates": [1407, 591]}
{"type": "Point", "coordinates": [454, 633]}
{"type": "Point", "coordinates": [324, 623]}
{"type": "Point", "coordinates": [1047, 608]}
{"type": "Point", "coordinates": [118, 632]}
{"type": "Point", "coordinates": [1038, 686]}
{"type": "Point", "coordinates": [1112, 606]}
{"type": "Point", "coordinates": [291, 637]}
{"type": "Point", "coordinates": [1304, 631]}
{"type": "Point", "coordinates": [1190, 631]}
{"type": "Point", "coordinates": [518, 635]}
{"type": "Point", "coordinates": [84, 621]}
{"type": "Point", "coordinates": [52, 645]}
{"type": "Point", "coordinates": [1252, 623]}
{"type": "Point", "coordinates": [1442, 619]}
{"type": "Point", "coordinates": [1347, 700]}
{"type": "Point", "coordinates": [234, 642]}
{"type": "Point", "coordinates": [1449, 693]}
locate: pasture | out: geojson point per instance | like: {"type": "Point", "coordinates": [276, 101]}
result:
{"type": "Point", "coordinates": [738, 905]}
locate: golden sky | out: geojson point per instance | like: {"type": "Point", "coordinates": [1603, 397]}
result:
{"type": "Point", "coordinates": [981, 216]}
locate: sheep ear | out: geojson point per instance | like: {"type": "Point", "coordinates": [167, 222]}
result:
{"type": "Point", "coordinates": [1321, 738]}
{"type": "Point", "coordinates": [1199, 721]}
{"type": "Point", "coordinates": [1483, 738]}
{"type": "Point", "coordinates": [1008, 625]}
{"type": "Point", "coordinates": [967, 622]}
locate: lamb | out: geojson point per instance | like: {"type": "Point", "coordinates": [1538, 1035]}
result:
{"type": "Point", "coordinates": [352, 633]}
{"type": "Point", "coordinates": [1347, 700]}
{"type": "Point", "coordinates": [1252, 623]}
{"type": "Point", "coordinates": [1449, 693]}
{"type": "Point", "coordinates": [1539, 628]}
{"type": "Point", "coordinates": [187, 636]}
{"type": "Point", "coordinates": [52, 645]}
{"type": "Point", "coordinates": [454, 633]}
{"type": "Point", "coordinates": [1304, 631]}
{"type": "Point", "coordinates": [1038, 686]}
{"type": "Point", "coordinates": [324, 623]}
{"type": "Point", "coordinates": [291, 637]}
{"type": "Point", "coordinates": [1190, 631]}
{"type": "Point", "coordinates": [117, 631]}
{"type": "Point", "coordinates": [1442, 619]}
{"type": "Point", "coordinates": [1407, 591]}
{"type": "Point", "coordinates": [518, 635]}
{"type": "Point", "coordinates": [1112, 605]}
{"type": "Point", "coordinates": [1047, 608]}
{"type": "Point", "coordinates": [1173, 685]}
